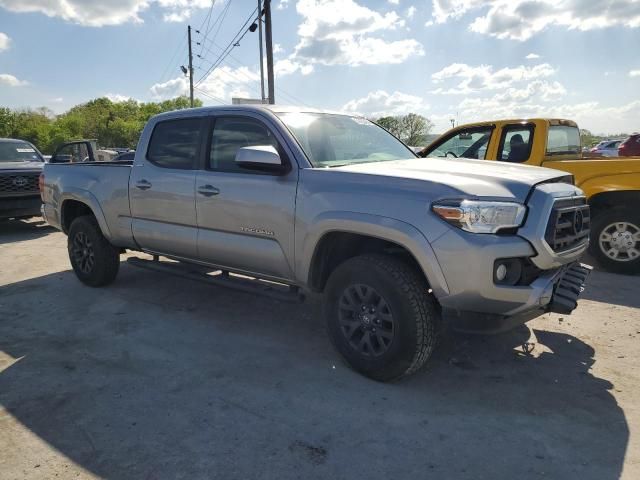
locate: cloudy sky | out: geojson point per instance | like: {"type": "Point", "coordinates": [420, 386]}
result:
{"type": "Point", "coordinates": [463, 59]}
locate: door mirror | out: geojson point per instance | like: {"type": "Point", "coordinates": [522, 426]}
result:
{"type": "Point", "coordinates": [259, 157]}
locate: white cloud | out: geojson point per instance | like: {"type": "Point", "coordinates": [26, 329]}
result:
{"type": "Point", "coordinates": [11, 81]}
{"type": "Point", "coordinates": [170, 89]}
{"type": "Point", "coordinates": [287, 66]}
{"type": "Point", "coordinates": [97, 13]}
{"type": "Point", "coordinates": [282, 4]}
{"type": "Point", "coordinates": [532, 56]}
{"type": "Point", "coordinates": [5, 42]}
{"type": "Point", "coordinates": [117, 97]}
{"type": "Point", "coordinates": [341, 32]}
{"type": "Point", "coordinates": [522, 19]}
{"type": "Point", "coordinates": [411, 11]}
{"type": "Point", "coordinates": [57, 100]}
{"type": "Point", "coordinates": [277, 48]}
{"type": "Point", "coordinates": [394, 2]}
{"type": "Point", "coordinates": [634, 73]}
{"type": "Point", "coordinates": [484, 77]}
{"type": "Point", "coordinates": [380, 103]}
{"type": "Point", "coordinates": [225, 82]}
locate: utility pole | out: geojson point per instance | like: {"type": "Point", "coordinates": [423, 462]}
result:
{"type": "Point", "coordinates": [190, 66]}
{"type": "Point", "coordinates": [261, 55]}
{"type": "Point", "coordinates": [269, 42]}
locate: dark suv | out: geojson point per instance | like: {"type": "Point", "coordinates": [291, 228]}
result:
{"type": "Point", "coordinates": [20, 166]}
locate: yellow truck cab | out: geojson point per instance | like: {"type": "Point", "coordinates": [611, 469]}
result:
{"type": "Point", "coordinates": [611, 185]}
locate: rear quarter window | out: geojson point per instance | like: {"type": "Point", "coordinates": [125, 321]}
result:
{"type": "Point", "coordinates": [563, 140]}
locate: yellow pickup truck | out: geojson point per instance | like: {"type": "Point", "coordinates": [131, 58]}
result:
{"type": "Point", "coordinates": [611, 185]}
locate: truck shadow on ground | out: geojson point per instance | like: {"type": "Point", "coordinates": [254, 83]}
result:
{"type": "Point", "coordinates": [158, 377]}
{"type": "Point", "coordinates": [21, 230]}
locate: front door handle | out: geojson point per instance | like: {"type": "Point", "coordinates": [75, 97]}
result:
{"type": "Point", "coordinates": [143, 185]}
{"type": "Point", "coordinates": [208, 190]}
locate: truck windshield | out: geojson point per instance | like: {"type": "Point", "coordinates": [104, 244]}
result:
{"type": "Point", "coordinates": [563, 140]}
{"type": "Point", "coordinates": [331, 140]}
{"type": "Point", "coordinates": [18, 152]}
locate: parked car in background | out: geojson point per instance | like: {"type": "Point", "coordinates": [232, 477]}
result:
{"type": "Point", "coordinates": [124, 156]}
{"type": "Point", "coordinates": [332, 204]}
{"type": "Point", "coordinates": [79, 151]}
{"type": "Point", "coordinates": [630, 147]}
{"type": "Point", "coordinates": [611, 185]}
{"type": "Point", "coordinates": [20, 166]}
{"type": "Point", "coordinates": [607, 148]}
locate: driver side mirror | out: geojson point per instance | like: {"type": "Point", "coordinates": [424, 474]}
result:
{"type": "Point", "coordinates": [260, 157]}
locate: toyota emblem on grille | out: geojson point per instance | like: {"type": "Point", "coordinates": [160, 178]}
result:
{"type": "Point", "coordinates": [578, 222]}
{"type": "Point", "coordinates": [20, 181]}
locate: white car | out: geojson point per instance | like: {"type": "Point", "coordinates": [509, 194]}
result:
{"type": "Point", "coordinates": [607, 148]}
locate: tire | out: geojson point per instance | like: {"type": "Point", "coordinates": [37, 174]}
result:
{"type": "Point", "coordinates": [400, 320]}
{"type": "Point", "coordinates": [94, 260]}
{"type": "Point", "coordinates": [615, 240]}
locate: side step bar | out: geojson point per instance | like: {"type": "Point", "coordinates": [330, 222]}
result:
{"type": "Point", "coordinates": [278, 291]}
{"type": "Point", "coordinates": [569, 288]}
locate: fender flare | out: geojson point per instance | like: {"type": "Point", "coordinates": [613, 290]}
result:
{"type": "Point", "coordinates": [384, 228]}
{"type": "Point", "coordinates": [86, 197]}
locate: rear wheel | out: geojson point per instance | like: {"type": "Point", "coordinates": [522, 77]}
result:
{"type": "Point", "coordinates": [94, 260]}
{"type": "Point", "coordinates": [380, 316]}
{"type": "Point", "coordinates": [615, 240]}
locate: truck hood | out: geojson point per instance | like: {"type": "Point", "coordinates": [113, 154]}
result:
{"type": "Point", "coordinates": [478, 178]}
{"type": "Point", "coordinates": [21, 166]}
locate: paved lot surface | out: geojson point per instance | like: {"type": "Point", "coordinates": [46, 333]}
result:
{"type": "Point", "coordinates": [159, 377]}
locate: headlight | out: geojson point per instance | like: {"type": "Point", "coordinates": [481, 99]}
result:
{"type": "Point", "coordinates": [479, 216]}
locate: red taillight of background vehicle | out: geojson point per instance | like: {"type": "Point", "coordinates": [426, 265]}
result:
{"type": "Point", "coordinates": [41, 186]}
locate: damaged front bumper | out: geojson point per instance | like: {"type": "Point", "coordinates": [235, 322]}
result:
{"type": "Point", "coordinates": [559, 294]}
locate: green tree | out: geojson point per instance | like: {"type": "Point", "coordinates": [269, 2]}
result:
{"type": "Point", "coordinates": [415, 128]}
{"type": "Point", "coordinates": [393, 125]}
{"type": "Point", "coordinates": [412, 128]}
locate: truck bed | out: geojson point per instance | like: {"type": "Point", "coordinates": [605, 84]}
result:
{"type": "Point", "coordinates": [106, 184]}
{"type": "Point", "coordinates": [591, 174]}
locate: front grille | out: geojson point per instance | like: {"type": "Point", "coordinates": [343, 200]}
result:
{"type": "Point", "coordinates": [19, 182]}
{"type": "Point", "coordinates": [569, 224]}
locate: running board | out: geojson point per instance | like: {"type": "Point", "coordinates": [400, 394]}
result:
{"type": "Point", "coordinates": [222, 278]}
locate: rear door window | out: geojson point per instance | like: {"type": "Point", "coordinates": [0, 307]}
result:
{"type": "Point", "coordinates": [175, 143]}
{"type": "Point", "coordinates": [516, 143]}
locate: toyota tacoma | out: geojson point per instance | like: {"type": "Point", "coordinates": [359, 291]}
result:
{"type": "Point", "coordinates": [332, 204]}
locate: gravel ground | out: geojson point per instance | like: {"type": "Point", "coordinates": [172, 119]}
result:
{"type": "Point", "coordinates": [161, 377]}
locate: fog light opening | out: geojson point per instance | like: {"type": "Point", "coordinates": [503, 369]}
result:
{"type": "Point", "coordinates": [507, 271]}
{"type": "Point", "coordinates": [501, 272]}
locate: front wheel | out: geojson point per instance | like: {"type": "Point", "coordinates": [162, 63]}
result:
{"type": "Point", "coordinates": [380, 316]}
{"type": "Point", "coordinates": [94, 260]}
{"type": "Point", "coordinates": [615, 240]}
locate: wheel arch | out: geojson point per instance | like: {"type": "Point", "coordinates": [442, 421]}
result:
{"type": "Point", "coordinates": [603, 201]}
{"type": "Point", "coordinates": [75, 204]}
{"type": "Point", "coordinates": [336, 237]}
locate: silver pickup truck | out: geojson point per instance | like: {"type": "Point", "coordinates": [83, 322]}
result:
{"type": "Point", "coordinates": [333, 204]}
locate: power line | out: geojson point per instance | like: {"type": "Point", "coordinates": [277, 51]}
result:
{"type": "Point", "coordinates": [237, 74]}
{"type": "Point", "coordinates": [234, 43]}
{"type": "Point", "coordinates": [219, 21]}
{"type": "Point", "coordinates": [213, 97]}
{"type": "Point", "coordinates": [171, 63]}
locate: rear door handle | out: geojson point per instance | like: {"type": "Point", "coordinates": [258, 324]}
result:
{"type": "Point", "coordinates": [143, 185]}
{"type": "Point", "coordinates": [208, 190]}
